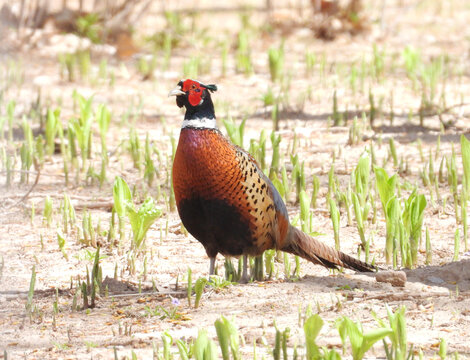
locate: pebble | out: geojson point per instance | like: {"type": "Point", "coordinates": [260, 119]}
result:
{"type": "Point", "coordinates": [396, 278]}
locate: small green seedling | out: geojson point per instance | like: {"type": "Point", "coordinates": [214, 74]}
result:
{"type": "Point", "coordinates": [360, 342]}
{"type": "Point", "coordinates": [121, 196]}
{"type": "Point", "coordinates": [48, 209]}
{"type": "Point", "coordinates": [335, 219]}
{"type": "Point", "coordinates": [229, 340]}
{"type": "Point", "coordinates": [52, 122]}
{"type": "Point", "coordinates": [204, 348]}
{"type": "Point", "coordinates": [61, 242]}
{"type": "Point", "coordinates": [442, 349]}
{"type": "Point", "coordinates": [141, 220]}
{"type": "Point", "coordinates": [386, 187]}
{"type": "Point", "coordinates": [32, 283]}
{"type": "Point", "coordinates": [413, 215]}
{"type": "Point", "coordinates": [276, 62]}
{"type": "Point", "coordinates": [456, 245]}
{"type": "Point", "coordinates": [198, 290]}
{"type": "Point", "coordinates": [235, 132]}
{"type": "Point", "coordinates": [312, 328]}
{"type": "Point", "coordinates": [465, 148]}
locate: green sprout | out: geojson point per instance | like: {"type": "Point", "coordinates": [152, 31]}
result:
{"type": "Point", "coordinates": [10, 116]}
{"type": "Point", "coordinates": [235, 132]}
{"type": "Point", "coordinates": [386, 187]}
{"type": "Point", "coordinates": [61, 242]}
{"type": "Point", "coordinates": [442, 349]}
{"type": "Point", "coordinates": [310, 61]}
{"type": "Point", "coordinates": [89, 26]}
{"type": "Point", "coordinates": [456, 245]}
{"type": "Point", "coordinates": [48, 210]}
{"type": "Point", "coordinates": [81, 127]}
{"type": "Point", "coordinates": [32, 283]}
{"type": "Point", "coordinates": [103, 117]}
{"type": "Point", "coordinates": [312, 328]}
{"type": "Point", "coordinates": [121, 196]}
{"type": "Point", "coordinates": [413, 220]}
{"type": "Point", "coordinates": [198, 290]}
{"type": "Point", "coordinates": [52, 121]}
{"type": "Point", "coordinates": [305, 212]}
{"type": "Point", "coordinates": [243, 61]}
{"type": "Point", "coordinates": [276, 62]}
{"type": "Point", "coordinates": [428, 248]}
{"type": "Point", "coordinates": [316, 189]}
{"type": "Point", "coordinates": [397, 323]}
{"type": "Point", "coordinates": [204, 348]}
{"type": "Point", "coordinates": [275, 140]}
{"type": "Point", "coordinates": [141, 220]}
{"type": "Point", "coordinates": [228, 338]}
{"type": "Point", "coordinates": [465, 148]}
{"type": "Point", "coordinates": [335, 218]}
{"type": "Point", "coordinates": [360, 342]}
{"type": "Point", "coordinates": [135, 148]}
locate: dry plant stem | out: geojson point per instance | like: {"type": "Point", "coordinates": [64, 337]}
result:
{"type": "Point", "coordinates": [25, 196]}
{"type": "Point", "coordinates": [404, 296]}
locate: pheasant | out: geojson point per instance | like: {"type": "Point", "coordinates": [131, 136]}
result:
{"type": "Point", "coordinates": [224, 199]}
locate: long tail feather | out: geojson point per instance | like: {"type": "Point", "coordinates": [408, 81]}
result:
{"type": "Point", "coordinates": [315, 251]}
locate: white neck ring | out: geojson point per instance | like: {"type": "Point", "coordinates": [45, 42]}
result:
{"type": "Point", "coordinates": [200, 123]}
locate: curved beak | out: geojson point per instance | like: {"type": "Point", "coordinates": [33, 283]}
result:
{"type": "Point", "coordinates": [176, 92]}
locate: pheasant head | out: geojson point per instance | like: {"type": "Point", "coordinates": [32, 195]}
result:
{"type": "Point", "coordinates": [196, 98]}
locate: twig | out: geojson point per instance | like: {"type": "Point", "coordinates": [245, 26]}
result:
{"type": "Point", "coordinates": [402, 296]}
{"type": "Point", "coordinates": [38, 174]}
{"type": "Point", "coordinates": [148, 293]}
{"type": "Point", "coordinates": [28, 172]}
{"type": "Point", "coordinates": [95, 205]}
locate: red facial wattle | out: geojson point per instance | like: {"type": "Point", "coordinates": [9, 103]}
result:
{"type": "Point", "coordinates": [195, 97]}
{"type": "Point", "coordinates": [194, 90]}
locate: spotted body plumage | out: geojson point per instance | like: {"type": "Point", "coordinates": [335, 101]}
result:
{"type": "Point", "coordinates": [225, 200]}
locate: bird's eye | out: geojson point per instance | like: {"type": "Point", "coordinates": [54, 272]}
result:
{"type": "Point", "coordinates": [193, 87]}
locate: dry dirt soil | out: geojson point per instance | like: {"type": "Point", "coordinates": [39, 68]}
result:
{"type": "Point", "coordinates": [437, 297]}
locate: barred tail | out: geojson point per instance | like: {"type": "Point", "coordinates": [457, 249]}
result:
{"type": "Point", "coordinates": [315, 251]}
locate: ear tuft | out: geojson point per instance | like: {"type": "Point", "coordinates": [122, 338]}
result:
{"type": "Point", "coordinates": [211, 87]}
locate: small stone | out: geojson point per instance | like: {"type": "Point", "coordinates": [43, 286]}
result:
{"type": "Point", "coordinates": [396, 278]}
{"type": "Point", "coordinates": [435, 280]}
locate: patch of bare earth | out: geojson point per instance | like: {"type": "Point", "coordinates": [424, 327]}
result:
{"type": "Point", "coordinates": [437, 297]}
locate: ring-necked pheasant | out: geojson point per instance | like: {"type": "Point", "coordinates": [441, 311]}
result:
{"type": "Point", "coordinates": [224, 199]}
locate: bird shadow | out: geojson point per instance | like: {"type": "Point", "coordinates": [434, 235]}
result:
{"type": "Point", "coordinates": [450, 275]}
{"type": "Point", "coordinates": [403, 131]}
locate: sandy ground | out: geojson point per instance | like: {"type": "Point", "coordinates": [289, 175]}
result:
{"type": "Point", "coordinates": [437, 297]}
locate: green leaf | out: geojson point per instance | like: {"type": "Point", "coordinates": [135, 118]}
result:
{"type": "Point", "coordinates": [204, 348]}
{"type": "Point", "coordinates": [51, 129]}
{"type": "Point", "coordinates": [465, 148]}
{"type": "Point", "coordinates": [371, 338]}
{"type": "Point", "coordinates": [385, 185]}
{"type": "Point", "coordinates": [200, 345]}
{"type": "Point", "coordinates": [228, 336]}
{"type": "Point", "coordinates": [104, 117]}
{"type": "Point", "coordinates": [199, 289]}
{"type": "Point", "coordinates": [357, 211]}
{"type": "Point", "coordinates": [278, 184]}
{"type": "Point", "coordinates": [443, 349]}
{"type": "Point", "coordinates": [362, 175]}
{"type": "Point", "coordinates": [360, 342]}
{"type": "Point", "coordinates": [182, 349]}
{"type": "Point", "coordinates": [121, 195]}
{"type": "Point", "coordinates": [142, 219]}
{"type": "Point", "coordinates": [312, 328]}
{"type": "Point", "coordinates": [223, 336]}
